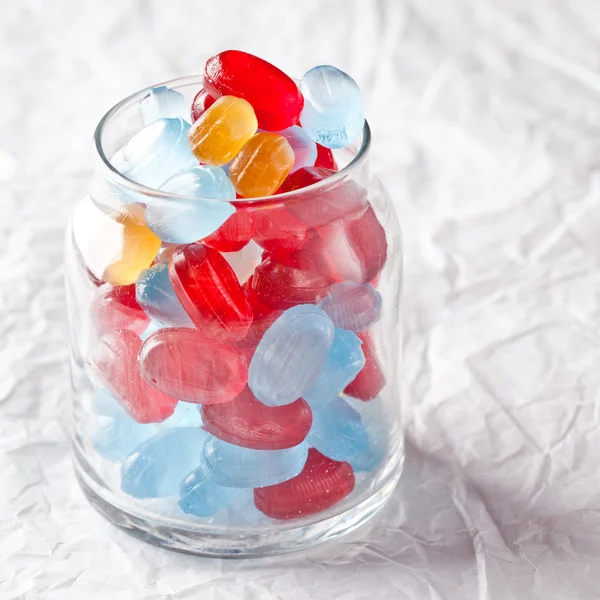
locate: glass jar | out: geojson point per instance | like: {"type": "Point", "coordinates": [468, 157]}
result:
{"type": "Point", "coordinates": [242, 431]}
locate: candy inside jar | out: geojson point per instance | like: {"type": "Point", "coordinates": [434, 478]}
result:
{"type": "Point", "coordinates": [234, 289]}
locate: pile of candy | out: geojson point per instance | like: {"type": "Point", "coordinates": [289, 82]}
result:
{"type": "Point", "coordinates": [233, 348]}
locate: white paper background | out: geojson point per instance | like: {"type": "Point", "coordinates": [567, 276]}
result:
{"type": "Point", "coordinates": [486, 123]}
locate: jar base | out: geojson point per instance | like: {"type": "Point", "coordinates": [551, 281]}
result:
{"type": "Point", "coordinates": [224, 544]}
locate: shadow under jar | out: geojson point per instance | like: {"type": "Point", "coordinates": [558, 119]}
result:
{"type": "Point", "coordinates": [237, 396]}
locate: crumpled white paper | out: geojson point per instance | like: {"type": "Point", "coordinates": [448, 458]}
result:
{"type": "Point", "coordinates": [486, 130]}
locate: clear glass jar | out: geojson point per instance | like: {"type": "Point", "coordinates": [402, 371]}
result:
{"type": "Point", "coordinates": [139, 427]}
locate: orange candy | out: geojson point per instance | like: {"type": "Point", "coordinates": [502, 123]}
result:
{"type": "Point", "coordinates": [262, 165]}
{"type": "Point", "coordinates": [221, 131]}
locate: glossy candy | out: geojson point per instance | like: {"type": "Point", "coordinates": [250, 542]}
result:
{"type": "Point", "coordinates": [305, 150]}
{"type": "Point", "coordinates": [304, 177]}
{"type": "Point", "coordinates": [274, 96]}
{"type": "Point", "coordinates": [117, 308]}
{"type": "Point", "coordinates": [244, 261]}
{"type": "Point", "coordinates": [261, 165]}
{"type": "Point", "coordinates": [322, 483]}
{"type": "Point", "coordinates": [333, 114]}
{"type": "Point", "coordinates": [325, 158]}
{"type": "Point", "coordinates": [201, 103]}
{"type": "Point", "coordinates": [370, 379]}
{"type": "Point", "coordinates": [155, 469]}
{"type": "Point", "coordinates": [249, 423]}
{"type": "Point", "coordinates": [232, 466]}
{"type": "Point", "coordinates": [162, 103]}
{"type": "Point", "coordinates": [115, 364]}
{"type": "Point", "coordinates": [263, 316]}
{"type": "Point", "coordinates": [182, 363]}
{"type": "Point", "coordinates": [234, 234]}
{"type": "Point", "coordinates": [278, 230]}
{"type": "Point", "coordinates": [221, 131]}
{"type": "Point", "coordinates": [137, 246]}
{"type": "Point", "coordinates": [210, 292]}
{"type": "Point", "coordinates": [155, 294]}
{"type": "Point", "coordinates": [201, 497]}
{"type": "Point", "coordinates": [290, 355]}
{"type": "Point", "coordinates": [352, 306]}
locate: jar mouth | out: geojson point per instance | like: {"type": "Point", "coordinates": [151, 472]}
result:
{"type": "Point", "coordinates": [121, 180]}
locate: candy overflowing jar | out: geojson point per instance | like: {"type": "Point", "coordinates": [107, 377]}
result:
{"type": "Point", "coordinates": [233, 277]}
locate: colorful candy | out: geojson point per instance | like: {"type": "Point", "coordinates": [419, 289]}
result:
{"type": "Point", "coordinates": [305, 150]}
{"type": "Point", "coordinates": [182, 363]}
{"type": "Point", "coordinates": [277, 230]}
{"type": "Point", "coordinates": [117, 308]}
{"type": "Point", "coordinates": [202, 102]}
{"type": "Point", "coordinates": [263, 316]}
{"type": "Point", "coordinates": [370, 379]}
{"type": "Point", "coordinates": [290, 355]}
{"type": "Point", "coordinates": [234, 234]}
{"type": "Point", "coordinates": [201, 497]}
{"type": "Point", "coordinates": [261, 165]}
{"type": "Point", "coordinates": [221, 131]}
{"type": "Point", "coordinates": [274, 96]}
{"type": "Point", "coordinates": [162, 103]}
{"type": "Point", "coordinates": [325, 158]}
{"type": "Point", "coordinates": [352, 306]}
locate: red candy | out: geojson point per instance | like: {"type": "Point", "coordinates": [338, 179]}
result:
{"type": "Point", "coordinates": [210, 293]}
{"type": "Point", "coordinates": [278, 230]}
{"type": "Point", "coordinates": [304, 177]}
{"type": "Point", "coordinates": [117, 308]}
{"type": "Point", "coordinates": [322, 483]}
{"type": "Point", "coordinates": [181, 363]}
{"type": "Point", "coordinates": [202, 102]}
{"type": "Point", "coordinates": [249, 423]}
{"type": "Point", "coordinates": [263, 317]}
{"type": "Point", "coordinates": [234, 234]}
{"type": "Point", "coordinates": [275, 97]}
{"type": "Point", "coordinates": [370, 379]}
{"type": "Point", "coordinates": [325, 158]}
{"type": "Point", "coordinates": [367, 237]}
{"type": "Point", "coordinates": [115, 363]}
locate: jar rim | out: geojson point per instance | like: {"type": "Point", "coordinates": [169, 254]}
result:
{"type": "Point", "coordinates": [123, 181]}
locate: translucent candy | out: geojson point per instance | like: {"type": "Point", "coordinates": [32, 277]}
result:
{"type": "Point", "coordinates": [156, 468]}
{"type": "Point", "coordinates": [261, 165]}
{"type": "Point", "coordinates": [275, 97]}
{"type": "Point", "coordinates": [201, 182]}
{"type": "Point", "coordinates": [370, 379]}
{"type": "Point", "coordinates": [210, 292]}
{"type": "Point", "coordinates": [344, 360]}
{"type": "Point", "coordinates": [115, 364]}
{"type": "Point", "coordinates": [333, 114]}
{"type": "Point", "coordinates": [244, 261]}
{"type": "Point", "coordinates": [321, 484]}
{"type": "Point", "coordinates": [156, 153]}
{"type": "Point", "coordinates": [325, 158]}
{"type": "Point", "coordinates": [278, 230]}
{"type": "Point", "coordinates": [117, 308]}
{"type": "Point", "coordinates": [182, 363]}
{"type": "Point", "coordinates": [137, 246]}
{"type": "Point", "coordinates": [290, 355]}
{"type": "Point", "coordinates": [234, 234]}
{"type": "Point", "coordinates": [201, 497]}
{"type": "Point", "coordinates": [305, 150]}
{"type": "Point", "coordinates": [221, 131]}
{"type": "Point", "coordinates": [232, 466]}
{"type": "Point", "coordinates": [249, 423]}
{"type": "Point", "coordinates": [155, 294]}
{"type": "Point", "coordinates": [304, 177]}
{"type": "Point", "coordinates": [352, 306]}
{"type": "Point", "coordinates": [201, 103]}
{"type": "Point", "coordinates": [263, 316]}
{"type": "Point", "coordinates": [162, 103]}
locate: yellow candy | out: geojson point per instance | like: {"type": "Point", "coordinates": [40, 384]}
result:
{"type": "Point", "coordinates": [262, 165]}
{"type": "Point", "coordinates": [220, 132]}
{"type": "Point", "coordinates": [138, 246]}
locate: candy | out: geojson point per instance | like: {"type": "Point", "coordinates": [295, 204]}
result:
{"type": "Point", "coordinates": [234, 234]}
{"type": "Point", "coordinates": [156, 153]}
{"type": "Point", "coordinates": [155, 294]}
{"type": "Point", "coordinates": [249, 423]}
{"type": "Point", "coordinates": [322, 483]}
{"type": "Point", "coordinates": [274, 96]}
{"type": "Point", "coordinates": [352, 306]}
{"type": "Point", "coordinates": [244, 261]}
{"type": "Point", "coordinates": [370, 379]}
{"type": "Point", "coordinates": [263, 316]}
{"type": "Point", "coordinates": [115, 364]}
{"type": "Point", "coordinates": [137, 246]}
{"type": "Point", "coordinates": [221, 131]}
{"type": "Point", "coordinates": [155, 469]}
{"type": "Point", "coordinates": [261, 165]}
{"type": "Point", "coordinates": [367, 237]}
{"type": "Point", "coordinates": [290, 355]}
{"type": "Point", "coordinates": [182, 363]}
{"type": "Point", "coordinates": [305, 150]}
{"type": "Point", "coordinates": [201, 103]}
{"type": "Point", "coordinates": [201, 497]}
{"type": "Point", "coordinates": [333, 114]}
{"type": "Point", "coordinates": [232, 466]}
{"type": "Point", "coordinates": [304, 177]}
{"type": "Point", "coordinates": [278, 230]}
{"type": "Point", "coordinates": [117, 308]}
{"type": "Point", "coordinates": [344, 360]}
{"type": "Point", "coordinates": [210, 292]}
{"type": "Point", "coordinates": [325, 158]}
{"type": "Point", "coordinates": [162, 103]}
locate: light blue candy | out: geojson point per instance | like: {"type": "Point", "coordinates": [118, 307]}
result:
{"type": "Point", "coordinates": [305, 149]}
{"type": "Point", "coordinates": [163, 103]}
{"type": "Point", "coordinates": [344, 360]}
{"type": "Point", "coordinates": [352, 306]}
{"type": "Point", "coordinates": [333, 113]}
{"type": "Point", "coordinates": [373, 415]}
{"type": "Point", "coordinates": [185, 414]}
{"type": "Point", "coordinates": [200, 496]}
{"type": "Point", "coordinates": [290, 355]}
{"type": "Point", "coordinates": [155, 469]}
{"type": "Point", "coordinates": [233, 466]}
{"type": "Point", "coordinates": [155, 294]}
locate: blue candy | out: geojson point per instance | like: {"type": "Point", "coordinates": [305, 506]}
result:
{"type": "Point", "coordinates": [333, 113]}
{"type": "Point", "coordinates": [305, 149]}
{"type": "Point", "coordinates": [352, 306]}
{"type": "Point", "coordinates": [290, 355]}
{"type": "Point", "coordinates": [155, 294]}
{"type": "Point", "coordinates": [344, 360]}
{"type": "Point", "coordinates": [200, 496]}
{"type": "Point", "coordinates": [162, 103]}
{"type": "Point", "coordinates": [155, 469]}
{"type": "Point", "coordinates": [233, 466]}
